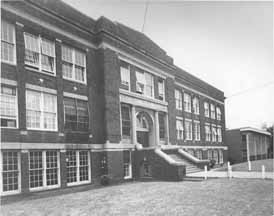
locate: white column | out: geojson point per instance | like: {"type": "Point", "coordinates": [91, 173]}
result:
{"type": "Point", "coordinates": [247, 147]}
{"type": "Point", "coordinates": [157, 135]}
{"type": "Point", "coordinates": [167, 129]}
{"type": "Point", "coordinates": [255, 147]}
{"type": "Point", "coordinates": [133, 123]}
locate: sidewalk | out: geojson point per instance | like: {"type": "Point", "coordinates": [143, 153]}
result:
{"type": "Point", "coordinates": [235, 174]}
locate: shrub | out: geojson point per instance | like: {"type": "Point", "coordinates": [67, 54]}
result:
{"type": "Point", "coordinates": [212, 163]}
{"type": "Point", "coordinates": [105, 180]}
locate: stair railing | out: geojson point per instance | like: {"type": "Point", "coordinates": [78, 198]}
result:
{"type": "Point", "coordinates": [200, 163]}
{"type": "Point", "coordinates": [167, 158]}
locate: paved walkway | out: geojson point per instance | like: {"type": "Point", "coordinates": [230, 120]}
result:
{"type": "Point", "coordinates": [235, 174]}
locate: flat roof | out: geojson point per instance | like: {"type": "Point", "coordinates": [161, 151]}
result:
{"type": "Point", "coordinates": [255, 130]}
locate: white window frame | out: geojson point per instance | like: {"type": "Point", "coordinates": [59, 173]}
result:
{"type": "Point", "coordinates": [212, 111]}
{"type": "Point", "coordinates": [207, 132]}
{"type": "Point", "coordinates": [39, 67]}
{"type": "Point", "coordinates": [125, 70]}
{"type": "Point", "coordinates": [14, 62]}
{"type": "Point", "coordinates": [180, 127]}
{"type": "Point", "coordinates": [19, 175]}
{"type": "Point", "coordinates": [78, 182]}
{"type": "Point", "coordinates": [186, 129]}
{"type": "Point", "coordinates": [197, 131]}
{"type": "Point", "coordinates": [196, 106]}
{"type": "Point", "coordinates": [219, 134]}
{"type": "Point", "coordinates": [73, 65]}
{"type": "Point", "coordinates": [162, 82]}
{"type": "Point", "coordinates": [44, 167]}
{"type": "Point", "coordinates": [129, 166]}
{"type": "Point", "coordinates": [178, 99]}
{"type": "Point", "coordinates": [16, 107]}
{"type": "Point", "coordinates": [187, 102]}
{"type": "Point", "coordinates": [206, 108]}
{"type": "Point", "coordinates": [42, 111]}
{"type": "Point", "coordinates": [219, 113]}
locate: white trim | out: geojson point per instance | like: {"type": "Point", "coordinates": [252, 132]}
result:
{"type": "Point", "coordinates": [203, 147]}
{"type": "Point", "coordinates": [255, 130]}
{"type": "Point", "coordinates": [40, 89]}
{"type": "Point", "coordinates": [179, 118]}
{"type": "Point", "coordinates": [138, 63]}
{"type": "Point", "coordinates": [76, 96]}
{"type": "Point", "coordinates": [8, 82]}
{"type": "Point", "coordinates": [198, 92]}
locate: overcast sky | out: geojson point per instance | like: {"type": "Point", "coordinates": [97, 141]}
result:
{"type": "Point", "coordinates": [227, 44]}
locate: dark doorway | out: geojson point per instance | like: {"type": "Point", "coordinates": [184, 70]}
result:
{"type": "Point", "coordinates": [143, 138]}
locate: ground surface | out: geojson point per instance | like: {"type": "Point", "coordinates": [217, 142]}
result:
{"type": "Point", "coordinates": [255, 166]}
{"type": "Point", "coordinates": [211, 197]}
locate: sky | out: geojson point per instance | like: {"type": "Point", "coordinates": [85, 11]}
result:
{"type": "Point", "coordinates": [227, 44]}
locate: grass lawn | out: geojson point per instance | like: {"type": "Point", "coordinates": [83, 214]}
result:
{"type": "Point", "coordinates": [255, 166]}
{"type": "Point", "coordinates": [212, 197]}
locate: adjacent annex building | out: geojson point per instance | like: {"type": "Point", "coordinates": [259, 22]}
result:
{"type": "Point", "coordinates": [247, 144]}
{"type": "Point", "coordinates": [84, 98]}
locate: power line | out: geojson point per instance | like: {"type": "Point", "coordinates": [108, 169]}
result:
{"type": "Point", "coordinates": [251, 89]}
{"type": "Point", "coordinates": [145, 16]}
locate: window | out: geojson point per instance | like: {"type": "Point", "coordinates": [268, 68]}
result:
{"type": "Point", "coordinates": [221, 157]}
{"type": "Point", "coordinates": [188, 128]}
{"type": "Point", "coordinates": [209, 154]}
{"type": "Point", "coordinates": [206, 107]}
{"type": "Point", "coordinates": [76, 114]}
{"type": "Point", "coordinates": [78, 167]}
{"type": "Point", "coordinates": [197, 131]}
{"type": "Point", "coordinates": [39, 53]}
{"type": "Point", "coordinates": [10, 171]}
{"type": "Point", "coordinates": [8, 110]}
{"type": "Point", "coordinates": [8, 51]}
{"type": "Point", "coordinates": [212, 109]}
{"type": "Point", "coordinates": [126, 122]}
{"type": "Point", "coordinates": [214, 133]}
{"type": "Point", "coordinates": [125, 75]}
{"type": "Point", "coordinates": [41, 110]}
{"type": "Point", "coordinates": [199, 154]}
{"type": "Point", "coordinates": [219, 113]}
{"type": "Point", "coordinates": [196, 107]}
{"type": "Point", "coordinates": [161, 89]}
{"type": "Point", "coordinates": [144, 84]}
{"type": "Point", "coordinates": [127, 164]}
{"type": "Point", "coordinates": [215, 156]}
{"type": "Point", "coordinates": [178, 100]}
{"type": "Point", "coordinates": [44, 169]}
{"type": "Point", "coordinates": [179, 129]}
{"type": "Point", "coordinates": [219, 133]}
{"type": "Point", "coordinates": [187, 102]}
{"type": "Point", "coordinates": [73, 64]}
{"type": "Point", "coordinates": [208, 132]}
{"type": "Point", "coordinates": [140, 82]}
{"type": "Point", "coordinates": [162, 125]}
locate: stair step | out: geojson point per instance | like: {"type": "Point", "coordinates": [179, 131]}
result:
{"type": "Point", "coordinates": [194, 179]}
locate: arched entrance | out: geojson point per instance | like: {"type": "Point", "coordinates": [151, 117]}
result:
{"type": "Point", "coordinates": [144, 126]}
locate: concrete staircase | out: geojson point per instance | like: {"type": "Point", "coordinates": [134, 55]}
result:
{"type": "Point", "coordinates": [190, 167]}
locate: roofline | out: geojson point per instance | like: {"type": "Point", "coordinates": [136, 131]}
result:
{"type": "Point", "coordinates": [255, 130]}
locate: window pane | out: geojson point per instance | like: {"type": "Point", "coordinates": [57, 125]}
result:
{"type": "Point", "coordinates": [80, 73]}
{"type": "Point", "coordinates": [83, 166]}
{"type": "Point", "coordinates": [35, 169]}
{"type": "Point", "coordinates": [162, 125]}
{"type": "Point", "coordinates": [71, 166]}
{"type": "Point", "coordinates": [10, 171]}
{"type": "Point", "coordinates": [31, 49]}
{"type": "Point", "coordinates": [126, 122]}
{"type": "Point", "coordinates": [70, 113]}
{"type": "Point", "coordinates": [67, 70]}
{"type": "Point", "coordinates": [67, 54]}
{"type": "Point", "coordinates": [52, 167]}
{"type": "Point", "coordinates": [82, 115]}
{"type": "Point", "coordinates": [7, 32]}
{"type": "Point", "coordinates": [80, 58]}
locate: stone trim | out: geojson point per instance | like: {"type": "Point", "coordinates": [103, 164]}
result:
{"type": "Point", "coordinates": [77, 96]}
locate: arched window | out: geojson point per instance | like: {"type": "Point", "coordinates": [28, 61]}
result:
{"type": "Point", "coordinates": [142, 122]}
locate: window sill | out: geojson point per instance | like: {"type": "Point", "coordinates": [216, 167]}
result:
{"type": "Point", "coordinates": [42, 130]}
{"type": "Point", "coordinates": [30, 68]}
{"type": "Point", "coordinates": [13, 128]}
{"type": "Point", "coordinates": [78, 183]}
{"type": "Point", "coordinates": [44, 188]}
{"type": "Point", "coordinates": [6, 193]}
{"type": "Point", "coordinates": [73, 80]}
{"type": "Point", "coordinates": [128, 177]}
